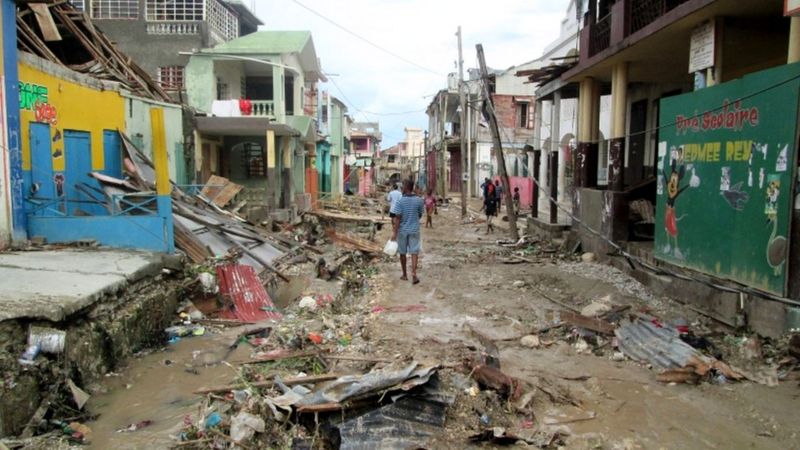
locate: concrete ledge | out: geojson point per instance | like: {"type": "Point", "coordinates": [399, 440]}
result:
{"type": "Point", "coordinates": [53, 285]}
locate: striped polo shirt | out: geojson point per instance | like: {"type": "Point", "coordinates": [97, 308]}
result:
{"type": "Point", "coordinates": [410, 209]}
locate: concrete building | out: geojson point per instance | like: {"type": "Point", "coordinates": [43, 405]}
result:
{"type": "Point", "coordinates": [702, 139]}
{"type": "Point", "coordinates": [513, 102]}
{"type": "Point", "coordinates": [256, 96]}
{"type": "Point", "coordinates": [402, 160]}
{"type": "Point", "coordinates": [365, 148]}
{"type": "Point", "coordinates": [158, 34]}
{"type": "Point", "coordinates": [331, 145]}
{"type": "Point", "coordinates": [73, 152]}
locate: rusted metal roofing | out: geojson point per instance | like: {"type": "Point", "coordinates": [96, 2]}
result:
{"type": "Point", "coordinates": [245, 296]}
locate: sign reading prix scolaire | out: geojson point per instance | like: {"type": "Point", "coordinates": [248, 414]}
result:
{"type": "Point", "coordinates": [701, 47]}
{"type": "Point", "coordinates": [791, 8]}
{"type": "Point", "coordinates": [726, 161]}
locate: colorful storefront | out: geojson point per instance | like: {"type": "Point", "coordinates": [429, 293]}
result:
{"type": "Point", "coordinates": [727, 163]}
{"type": "Point", "coordinates": [70, 128]}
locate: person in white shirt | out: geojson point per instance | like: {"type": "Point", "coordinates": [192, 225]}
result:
{"type": "Point", "coordinates": [392, 198]}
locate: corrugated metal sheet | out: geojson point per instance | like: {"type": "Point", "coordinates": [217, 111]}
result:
{"type": "Point", "coordinates": [247, 299]}
{"type": "Point", "coordinates": [660, 346]}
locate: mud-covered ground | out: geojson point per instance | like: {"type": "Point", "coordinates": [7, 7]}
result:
{"type": "Point", "coordinates": [468, 292]}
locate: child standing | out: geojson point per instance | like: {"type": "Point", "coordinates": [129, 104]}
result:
{"type": "Point", "coordinates": [516, 200]}
{"type": "Point", "coordinates": [430, 207]}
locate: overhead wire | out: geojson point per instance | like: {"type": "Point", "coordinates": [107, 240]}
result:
{"type": "Point", "coordinates": [737, 288]}
{"type": "Point", "coordinates": [365, 40]}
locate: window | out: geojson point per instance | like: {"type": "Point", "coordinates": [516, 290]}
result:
{"type": "Point", "coordinates": [174, 10]}
{"type": "Point", "coordinates": [171, 78]}
{"type": "Point", "coordinates": [78, 4]}
{"type": "Point", "coordinates": [522, 115]}
{"type": "Point", "coordinates": [114, 9]}
{"type": "Point", "coordinates": [222, 20]}
{"type": "Point", "coordinates": [392, 158]}
{"type": "Point", "coordinates": [254, 163]}
{"type": "Point", "coordinates": [223, 90]}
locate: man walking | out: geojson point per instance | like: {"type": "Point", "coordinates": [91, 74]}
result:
{"type": "Point", "coordinates": [392, 198]}
{"type": "Point", "coordinates": [407, 213]}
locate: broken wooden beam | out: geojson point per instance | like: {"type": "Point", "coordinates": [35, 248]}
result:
{"type": "Point", "coordinates": [588, 323]}
{"type": "Point", "coordinates": [312, 379]}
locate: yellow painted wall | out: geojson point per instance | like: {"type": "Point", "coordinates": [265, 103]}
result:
{"type": "Point", "coordinates": [77, 107]}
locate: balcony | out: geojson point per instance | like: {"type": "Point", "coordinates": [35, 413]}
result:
{"type": "Point", "coordinates": [625, 18]}
{"type": "Point", "coordinates": [173, 28]}
{"type": "Point", "coordinates": [263, 108]}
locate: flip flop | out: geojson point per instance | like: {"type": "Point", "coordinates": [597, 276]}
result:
{"type": "Point", "coordinates": [416, 281]}
{"type": "Point", "coordinates": [404, 278]}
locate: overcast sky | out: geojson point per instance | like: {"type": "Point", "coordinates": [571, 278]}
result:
{"type": "Point", "coordinates": [422, 31]}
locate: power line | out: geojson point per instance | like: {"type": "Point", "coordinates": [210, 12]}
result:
{"type": "Point", "coordinates": [361, 38]}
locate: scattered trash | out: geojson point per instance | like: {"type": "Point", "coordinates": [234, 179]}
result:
{"type": "Point", "coordinates": [598, 307]}
{"type": "Point", "coordinates": [213, 420]}
{"type": "Point", "coordinates": [49, 340]}
{"type": "Point", "coordinates": [135, 426]}
{"type": "Point", "coordinates": [588, 257]}
{"type": "Point", "coordinates": [209, 282]}
{"type": "Point", "coordinates": [531, 341]}
{"type": "Point", "coordinates": [519, 284]}
{"type": "Point", "coordinates": [78, 395]}
{"type": "Point", "coordinates": [30, 354]}
{"type": "Point", "coordinates": [308, 303]}
{"type": "Point", "coordinates": [494, 379]}
{"type": "Point", "coordinates": [245, 425]}
{"type": "Point", "coordinates": [316, 338]}
{"type": "Point", "coordinates": [180, 331]}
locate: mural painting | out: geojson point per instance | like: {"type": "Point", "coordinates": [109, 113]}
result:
{"type": "Point", "coordinates": [725, 157]}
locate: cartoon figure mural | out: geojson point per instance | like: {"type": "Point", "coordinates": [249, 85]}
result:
{"type": "Point", "coordinates": [776, 245]}
{"type": "Point", "coordinates": [674, 189]}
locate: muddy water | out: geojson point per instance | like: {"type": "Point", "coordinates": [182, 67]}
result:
{"type": "Point", "coordinates": [159, 387]}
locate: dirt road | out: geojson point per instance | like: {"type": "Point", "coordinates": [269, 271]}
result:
{"type": "Point", "coordinates": [466, 287]}
{"type": "Point", "coordinates": [470, 299]}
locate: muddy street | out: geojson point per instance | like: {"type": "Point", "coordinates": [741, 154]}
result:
{"type": "Point", "coordinates": [579, 391]}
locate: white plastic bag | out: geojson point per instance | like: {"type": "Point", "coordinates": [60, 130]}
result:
{"type": "Point", "coordinates": [390, 248]}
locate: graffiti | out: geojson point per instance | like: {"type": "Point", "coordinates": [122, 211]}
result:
{"type": "Point", "coordinates": [33, 97]}
{"type": "Point", "coordinates": [31, 94]}
{"type": "Point", "coordinates": [735, 196]}
{"type": "Point", "coordinates": [731, 119]}
{"type": "Point", "coordinates": [677, 171]}
{"type": "Point", "coordinates": [46, 113]}
{"type": "Point", "coordinates": [782, 163]}
{"type": "Point", "coordinates": [58, 179]}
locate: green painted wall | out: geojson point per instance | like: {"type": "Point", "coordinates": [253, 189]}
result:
{"type": "Point", "coordinates": [725, 171]}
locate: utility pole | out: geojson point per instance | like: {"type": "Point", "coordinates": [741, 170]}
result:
{"type": "Point", "coordinates": [463, 127]}
{"type": "Point", "coordinates": [498, 144]}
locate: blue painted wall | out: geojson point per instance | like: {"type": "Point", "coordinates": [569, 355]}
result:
{"type": "Point", "coordinates": [12, 112]}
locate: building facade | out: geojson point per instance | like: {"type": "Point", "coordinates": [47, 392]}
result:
{"type": "Point", "coordinates": [254, 123]}
{"type": "Point", "coordinates": [700, 149]}
{"type": "Point", "coordinates": [159, 34]}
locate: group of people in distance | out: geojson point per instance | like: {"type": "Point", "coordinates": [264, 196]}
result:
{"type": "Point", "coordinates": [493, 198]}
{"type": "Point", "coordinates": [406, 209]}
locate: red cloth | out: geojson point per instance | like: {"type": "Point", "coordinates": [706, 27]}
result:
{"type": "Point", "coordinates": [245, 107]}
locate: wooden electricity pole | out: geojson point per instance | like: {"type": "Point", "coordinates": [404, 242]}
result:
{"type": "Point", "coordinates": [463, 127]}
{"type": "Point", "coordinates": [498, 144]}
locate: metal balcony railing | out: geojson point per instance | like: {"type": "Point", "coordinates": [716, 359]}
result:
{"type": "Point", "coordinates": [600, 38]}
{"type": "Point", "coordinates": [263, 108]}
{"type": "Point", "coordinates": [645, 12]}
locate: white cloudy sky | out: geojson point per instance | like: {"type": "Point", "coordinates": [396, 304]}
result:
{"type": "Point", "coordinates": [423, 31]}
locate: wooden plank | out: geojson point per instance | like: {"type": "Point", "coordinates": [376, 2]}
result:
{"type": "Point", "coordinates": [589, 323]}
{"type": "Point", "coordinates": [221, 190]}
{"type": "Point", "coordinates": [46, 23]}
{"type": "Point", "coordinates": [313, 379]}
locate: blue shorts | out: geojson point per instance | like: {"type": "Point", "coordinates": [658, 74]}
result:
{"type": "Point", "coordinates": [408, 243]}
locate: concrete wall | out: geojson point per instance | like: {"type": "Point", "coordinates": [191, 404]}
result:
{"type": "Point", "coordinates": [78, 103]}
{"type": "Point", "coordinates": [230, 73]}
{"type": "Point", "coordinates": [138, 127]}
{"type": "Point", "coordinates": [201, 84]}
